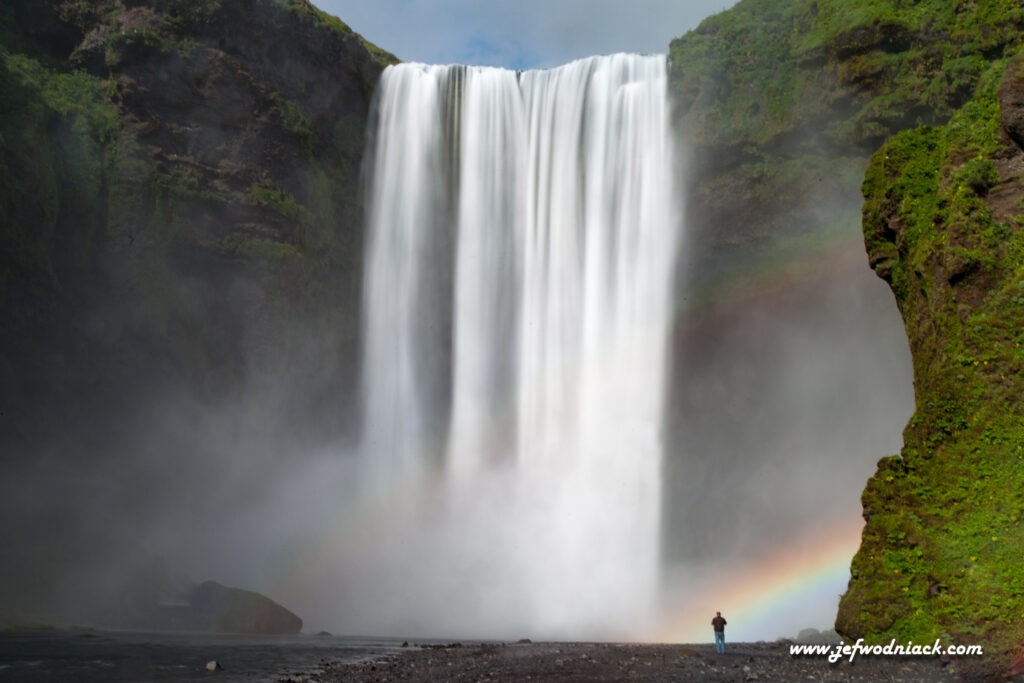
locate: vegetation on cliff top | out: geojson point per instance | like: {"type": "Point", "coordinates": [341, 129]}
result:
{"type": "Point", "coordinates": [325, 19]}
{"type": "Point", "coordinates": [872, 68]}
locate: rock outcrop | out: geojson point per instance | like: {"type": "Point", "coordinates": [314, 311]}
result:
{"type": "Point", "coordinates": [943, 226]}
{"type": "Point", "coordinates": [153, 597]}
{"type": "Point", "coordinates": [218, 609]}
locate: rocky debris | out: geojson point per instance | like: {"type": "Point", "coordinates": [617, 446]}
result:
{"type": "Point", "coordinates": [813, 635]}
{"type": "Point", "coordinates": [439, 646]}
{"type": "Point", "coordinates": [617, 662]}
{"type": "Point", "coordinates": [887, 37]}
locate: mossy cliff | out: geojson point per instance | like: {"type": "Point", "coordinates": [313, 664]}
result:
{"type": "Point", "coordinates": [784, 100]}
{"type": "Point", "coordinates": [788, 102]}
{"type": "Point", "coordinates": [180, 259]}
{"type": "Point", "coordinates": [178, 190]}
{"type": "Point", "coordinates": [943, 218]}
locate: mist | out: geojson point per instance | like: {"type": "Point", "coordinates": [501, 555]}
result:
{"type": "Point", "coordinates": [776, 397]}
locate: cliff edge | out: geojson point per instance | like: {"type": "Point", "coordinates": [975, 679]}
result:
{"type": "Point", "coordinates": [943, 218]}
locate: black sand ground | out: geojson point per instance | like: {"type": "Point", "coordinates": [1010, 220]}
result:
{"type": "Point", "coordinates": [627, 662]}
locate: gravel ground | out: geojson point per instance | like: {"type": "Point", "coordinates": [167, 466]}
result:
{"type": "Point", "coordinates": [624, 662]}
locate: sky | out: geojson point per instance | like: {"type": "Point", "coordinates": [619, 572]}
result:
{"type": "Point", "coordinates": [520, 34]}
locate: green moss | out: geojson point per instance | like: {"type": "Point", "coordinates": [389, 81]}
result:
{"type": "Point", "coordinates": [264, 194]}
{"type": "Point", "coordinates": [333, 23]}
{"type": "Point", "coordinates": [267, 251]}
{"type": "Point", "coordinates": [733, 63]}
{"type": "Point", "coordinates": [295, 122]}
{"type": "Point", "coordinates": [947, 518]}
{"type": "Point", "coordinates": [184, 14]}
{"type": "Point", "coordinates": [53, 131]}
{"type": "Point", "coordinates": [766, 66]}
{"type": "Point", "coordinates": [135, 44]}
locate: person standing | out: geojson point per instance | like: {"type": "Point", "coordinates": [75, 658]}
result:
{"type": "Point", "coordinates": [718, 623]}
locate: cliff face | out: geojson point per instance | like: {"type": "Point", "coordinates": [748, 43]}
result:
{"type": "Point", "coordinates": [942, 222]}
{"type": "Point", "coordinates": [782, 103]}
{"type": "Point", "coordinates": [180, 232]}
{"type": "Point", "coordinates": [783, 130]}
{"type": "Point", "coordinates": [191, 168]}
{"type": "Point", "coordinates": [784, 100]}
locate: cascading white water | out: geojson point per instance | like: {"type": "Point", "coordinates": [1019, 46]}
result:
{"type": "Point", "coordinates": [521, 236]}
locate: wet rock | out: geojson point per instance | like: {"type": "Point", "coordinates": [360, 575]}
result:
{"type": "Point", "coordinates": [814, 636]}
{"type": "Point", "coordinates": [1011, 102]}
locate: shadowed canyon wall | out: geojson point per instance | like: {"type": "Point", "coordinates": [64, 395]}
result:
{"type": "Point", "coordinates": [180, 274]}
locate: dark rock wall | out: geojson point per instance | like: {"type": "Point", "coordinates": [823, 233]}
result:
{"type": "Point", "coordinates": [220, 162]}
{"type": "Point", "coordinates": [180, 223]}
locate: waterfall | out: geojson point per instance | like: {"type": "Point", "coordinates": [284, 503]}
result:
{"type": "Point", "coordinates": [521, 236]}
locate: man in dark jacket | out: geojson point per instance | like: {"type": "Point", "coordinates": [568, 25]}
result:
{"type": "Point", "coordinates": [718, 623]}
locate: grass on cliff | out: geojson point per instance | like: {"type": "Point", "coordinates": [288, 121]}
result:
{"type": "Point", "coordinates": [941, 552]}
{"type": "Point", "coordinates": [322, 18]}
{"type": "Point", "coordinates": [765, 67]}
{"type": "Point", "coordinates": [765, 89]}
{"type": "Point", "coordinates": [53, 129]}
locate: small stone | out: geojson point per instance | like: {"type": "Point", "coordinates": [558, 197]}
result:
{"type": "Point", "coordinates": [214, 665]}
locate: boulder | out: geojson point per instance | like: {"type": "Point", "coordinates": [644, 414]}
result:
{"type": "Point", "coordinates": [219, 609]}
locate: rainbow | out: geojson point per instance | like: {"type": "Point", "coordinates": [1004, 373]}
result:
{"type": "Point", "coordinates": [795, 587]}
{"type": "Point", "coordinates": [763, 597]}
